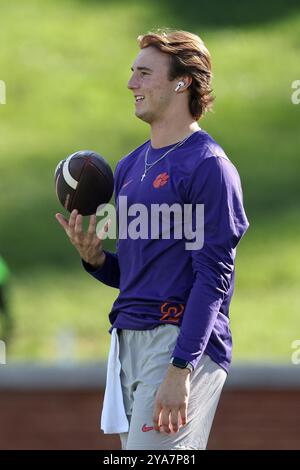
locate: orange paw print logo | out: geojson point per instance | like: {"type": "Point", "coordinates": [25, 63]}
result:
{"type": "Point", "coordinates": [171, 312]}
{"type": "Point", "coordinates": [160, 180]}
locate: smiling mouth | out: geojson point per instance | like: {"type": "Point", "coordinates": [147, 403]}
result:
{"type": "Point", "coordinates": [139, 98]}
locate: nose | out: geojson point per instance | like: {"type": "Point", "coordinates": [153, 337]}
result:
{"type": "Point", "coordinates": [132, 83]}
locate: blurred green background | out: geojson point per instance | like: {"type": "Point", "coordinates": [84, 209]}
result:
{"type": "Point", "coordinates": [66, 65]}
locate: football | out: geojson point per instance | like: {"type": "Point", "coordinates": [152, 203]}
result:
{"type": "Point", "coordinates": [84, 181]}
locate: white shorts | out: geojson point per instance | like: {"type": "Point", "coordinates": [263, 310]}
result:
{"type": "Point", "coordinates": [144, 357]}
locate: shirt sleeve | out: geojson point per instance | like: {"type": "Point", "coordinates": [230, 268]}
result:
{"type": "Point", "coordinates": [216, 185]}
{"type": "Point", "coordinates": [109, 273]}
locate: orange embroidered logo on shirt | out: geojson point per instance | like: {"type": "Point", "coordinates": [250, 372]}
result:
{"type": "Point", "coordinates": [160, 180]}
{"type": "Point", "coordinates": [171, 312]}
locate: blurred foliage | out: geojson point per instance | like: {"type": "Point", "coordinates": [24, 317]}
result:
{"type": "Point", "coordinates": [66, 65]}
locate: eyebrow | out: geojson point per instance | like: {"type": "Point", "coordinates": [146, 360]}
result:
{"type": "Point", "coordinates": [142, 68]}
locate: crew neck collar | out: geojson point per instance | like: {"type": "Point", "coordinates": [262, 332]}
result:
{"type": "Point", "coordinates": [154, 150]}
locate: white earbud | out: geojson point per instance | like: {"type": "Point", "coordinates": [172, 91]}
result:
{"type": "Point", "coordinates": [179, 85]}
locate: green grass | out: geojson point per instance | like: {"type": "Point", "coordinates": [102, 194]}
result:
{"type": "Point", "coordinates": [66, 66]}
{"type": "Point", "coordinates": [266, 304]}
{"type": "Point", "coordinates": [50, 304]}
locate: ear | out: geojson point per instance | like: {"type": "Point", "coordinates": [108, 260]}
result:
{"type": "Point", "coordinates": [187, 80]}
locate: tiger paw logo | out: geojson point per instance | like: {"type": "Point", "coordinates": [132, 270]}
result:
{"type": "Point", "coordinates": [160, 180]}
{"type": "Point", "coordinates": [171, 312]}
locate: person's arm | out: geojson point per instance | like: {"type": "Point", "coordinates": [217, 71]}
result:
{"type": "Point", "coordinates": [215, 184]}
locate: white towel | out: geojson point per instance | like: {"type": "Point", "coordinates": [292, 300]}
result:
{"type": "Point", "coordinates": [113, 418]}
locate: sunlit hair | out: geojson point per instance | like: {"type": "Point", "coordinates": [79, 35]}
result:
{"type": "Point", "coordinates": [188, 56]}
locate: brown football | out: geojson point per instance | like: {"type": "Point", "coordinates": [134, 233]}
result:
{"type": "Point", "coordinates": [84, 181]}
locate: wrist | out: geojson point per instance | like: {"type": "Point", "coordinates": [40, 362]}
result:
{"type": "Point", "coordinates": [98, 262]}
{"type": "Point", "coordinates": [176, 371]}
{"type": "Point", "coordinates": [181, 364]}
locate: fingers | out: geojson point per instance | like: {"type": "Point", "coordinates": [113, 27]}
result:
{"type": "Point", "coordinates": [156, 414]}
{"type": "Point", "coordinates": [168, 420]}
{"type": "Point", "coordinates": [78, 225]}
{"type": "Point", "coordinates": [165, 420]}
{"type": "Point", "coordinates": [174, 420]}
{"type": "Point", "coordinates": [67, 224]}
{"type": "Point", "coordinates": [92, 225]}
{"type": "Point", "coordinates": [72, 219]}
{"type": "Point", "coordinates": [88, 244]}
{"type": "Point", "coordinates": [71, 226]}
{"type": "Point", "coordinates": [183, 414]}
{"type": "Point", "coordinates": [63, 222]}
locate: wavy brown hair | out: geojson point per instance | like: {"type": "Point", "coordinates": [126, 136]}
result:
{"type": "Point", "coordinates": [188, 56]}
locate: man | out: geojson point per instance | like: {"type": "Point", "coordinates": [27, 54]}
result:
{"type": "Point", "coordinates": [171, 341]}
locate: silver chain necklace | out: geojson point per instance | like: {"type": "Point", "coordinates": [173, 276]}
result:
{"type": "Point", "coordinates": [148, 166]}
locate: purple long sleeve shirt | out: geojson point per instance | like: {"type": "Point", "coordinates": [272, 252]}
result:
{"type": "Point", "coordinates": [160, 280]}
